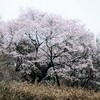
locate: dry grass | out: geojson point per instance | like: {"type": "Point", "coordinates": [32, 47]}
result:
{"type": "Point", "coordinates": [25, 91]}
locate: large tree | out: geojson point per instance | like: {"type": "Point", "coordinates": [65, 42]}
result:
{"type": "Point", "coordinates": [40, 41]}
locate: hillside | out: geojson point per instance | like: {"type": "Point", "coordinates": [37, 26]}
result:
{"type": "Point", "coordinates": [46, 57]}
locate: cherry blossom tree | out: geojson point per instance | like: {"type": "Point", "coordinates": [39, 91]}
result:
{"type": "Point", "coordinates": [42, 42]}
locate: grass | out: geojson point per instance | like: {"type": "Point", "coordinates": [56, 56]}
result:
{"type": "Point", "coordinates": [25, 91]}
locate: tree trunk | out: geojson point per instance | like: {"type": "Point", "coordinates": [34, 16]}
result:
{"type": "Point", "coordinates": [57, 78]}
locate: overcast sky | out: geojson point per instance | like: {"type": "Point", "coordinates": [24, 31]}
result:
{"type": "Point", "coordinates": [88, 11]}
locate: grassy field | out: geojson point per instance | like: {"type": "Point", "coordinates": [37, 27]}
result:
{"type": "Point", "coordinates": [25, 91]}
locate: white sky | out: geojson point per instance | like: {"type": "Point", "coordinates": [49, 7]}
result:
{"type": "Point", "coordinates": [88, 11]}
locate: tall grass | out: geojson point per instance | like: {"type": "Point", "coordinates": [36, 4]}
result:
{"type": "Point", "coordinates": [25, 91]}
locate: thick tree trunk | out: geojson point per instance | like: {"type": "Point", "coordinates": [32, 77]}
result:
{"type": "Point", "coordinates": [57, 78]}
